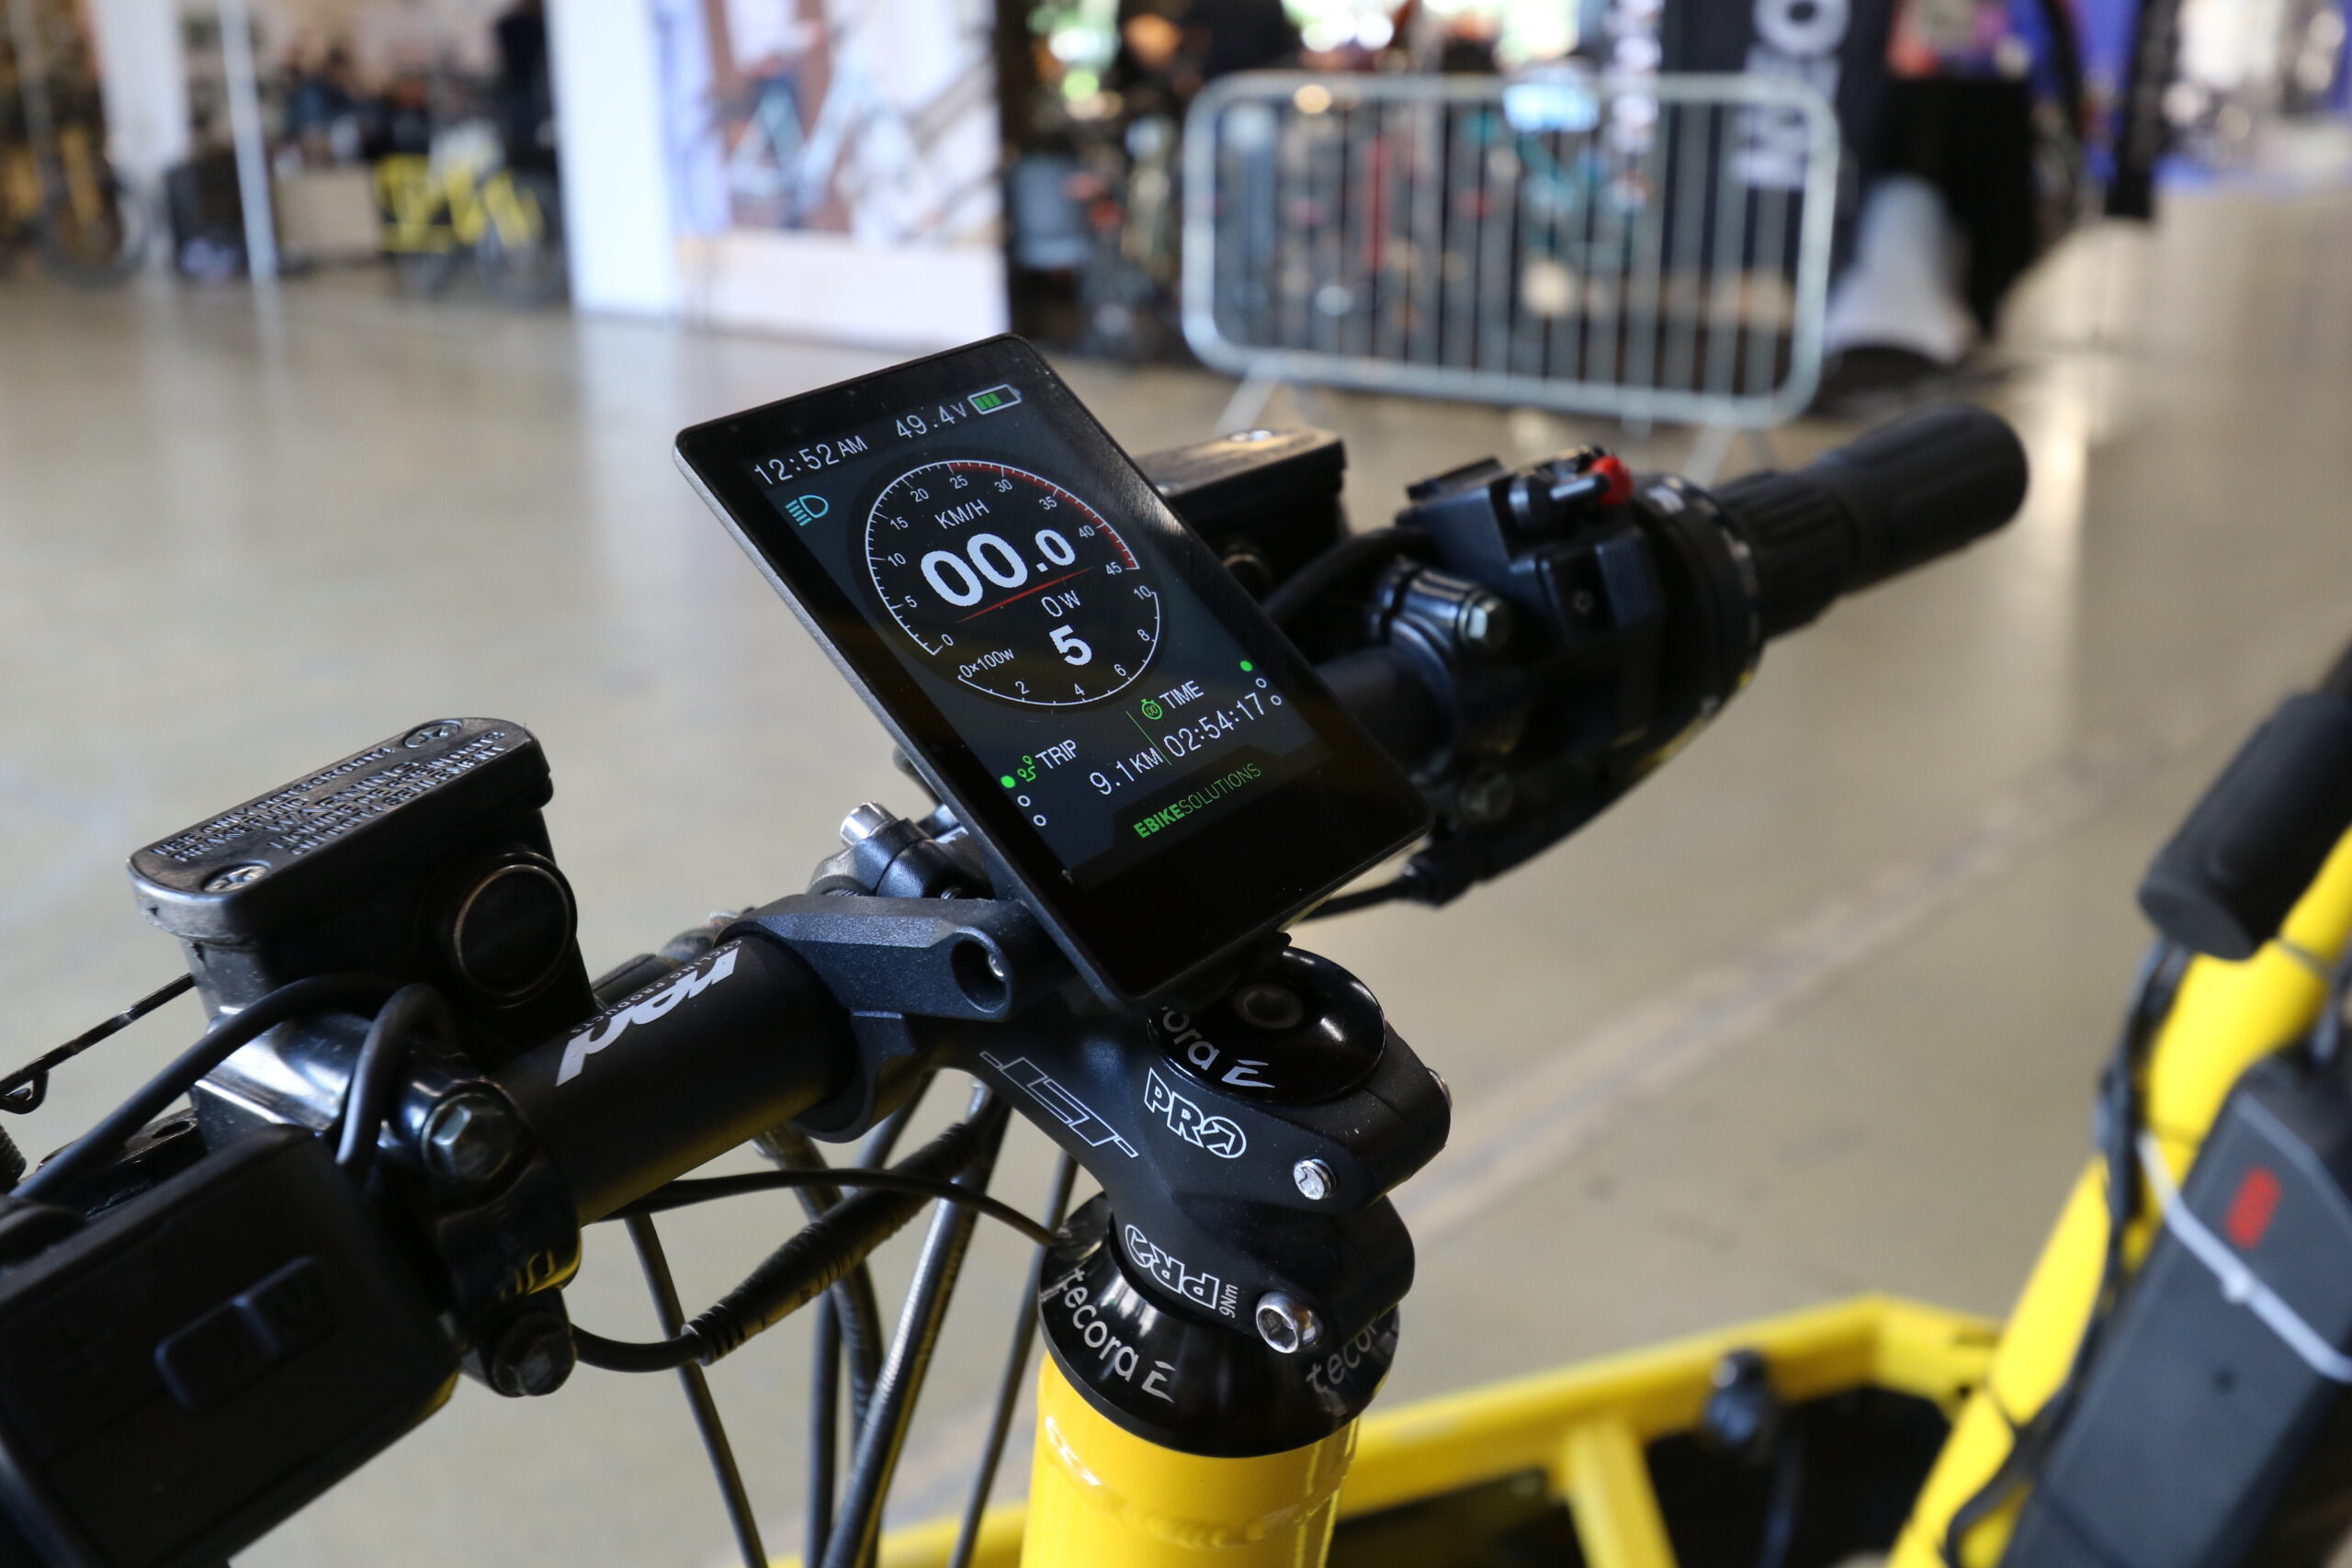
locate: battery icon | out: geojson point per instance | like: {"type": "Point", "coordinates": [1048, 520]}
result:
{"type": "Point", "coordinates": [995, 397]}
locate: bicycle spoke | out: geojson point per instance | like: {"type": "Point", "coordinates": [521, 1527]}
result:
{"type": "Point", "coordinates": [1016, 1363]}
{"type": "Point", "coordinates": [698, 1397]}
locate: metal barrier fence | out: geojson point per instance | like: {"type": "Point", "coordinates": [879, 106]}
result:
{"type": "Point", "coordinates": [1651, 249]}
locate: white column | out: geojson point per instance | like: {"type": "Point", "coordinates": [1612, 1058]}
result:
{"type": "Point", "coordinates": [605, 59]}
{"type": "Point", "coordinates": [242, 80]}
{"type": "Point", "coordinates": [142, 80]}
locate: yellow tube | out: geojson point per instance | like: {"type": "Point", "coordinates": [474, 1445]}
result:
{"type": "Point", "coordinates": [2226, 1018]}
{"type": "Point", "coordinates": [1099, 1497]}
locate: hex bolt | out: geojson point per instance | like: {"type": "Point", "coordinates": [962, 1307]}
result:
{"type": "Point", "coordinates": [864, 822]}
{"type": "Point", "coordinates": [468, 1140]}
{"type": "Point", "coordinates": [534, 1357]}
{"type": "Point", "coordinates": [425, 735]}
{"type": "Point", "coordinates": [1486, 796]}
{"type": "Point", "coordinates": [1314, 1180]}
{"type": "Point", "coordinates": [1285, 1325]}
{"type": "Point", "coordinates": [1483, 624]}
{"type": "Point", "coordinates": [235, 877]}
{"type": "Point", "coordinates": [1267, 1006]}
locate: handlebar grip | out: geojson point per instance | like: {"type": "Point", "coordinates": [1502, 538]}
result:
{"type": "Point", "coordinates": [2259, 835]}
{"type": "Point", "coordinates": [1896, 497]}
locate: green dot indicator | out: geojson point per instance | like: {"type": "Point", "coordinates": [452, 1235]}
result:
{"type": "Point", "coordinates": [1246, 667]}
{"type": "Point", "coordinates": [1006, 781]}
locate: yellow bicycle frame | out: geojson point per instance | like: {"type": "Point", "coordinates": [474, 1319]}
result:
{"type": "Point", "coordinates": [1103, 1498]}
{"type": "Point", "coordinates": [2226, 1018]}
{"type": "Point", "coordinates": [1100, 1497]}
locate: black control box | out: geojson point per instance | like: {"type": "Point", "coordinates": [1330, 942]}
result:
{"type": "Point", "coordinates": [2226, 1355]}
{"type": "Point", "coordinates": [198, 1362]}
{"type": "Point", "coordinates": [1267, 500]}
{"type": "Point", "coordinates": [424, 858]}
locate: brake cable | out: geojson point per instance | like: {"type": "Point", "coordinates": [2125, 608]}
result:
{"type": "Point", "coordinates": [817, 1254]}
{"type": "Point", "coordinates": [23, 1090]}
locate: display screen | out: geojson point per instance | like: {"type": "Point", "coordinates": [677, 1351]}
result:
{"type": "Point", "coordinates": [1114, 710]}
{"type": "Point", "coordinates": [1146, 760]}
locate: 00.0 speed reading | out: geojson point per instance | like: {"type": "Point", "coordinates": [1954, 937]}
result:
{"type": "Point", "coordinates": [1010, 584]}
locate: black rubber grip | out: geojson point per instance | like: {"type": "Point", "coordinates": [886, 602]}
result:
{"type": "Point", "coordinates": [2259, 835]}
{"type": "Point", "coordinates": [1901, 495]}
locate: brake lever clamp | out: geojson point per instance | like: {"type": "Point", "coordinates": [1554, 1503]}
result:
{"type": "Point", "coordinates": [1233, 1290]}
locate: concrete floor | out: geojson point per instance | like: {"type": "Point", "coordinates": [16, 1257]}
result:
{"type": "Point", "coordinates": [1816, 1010]}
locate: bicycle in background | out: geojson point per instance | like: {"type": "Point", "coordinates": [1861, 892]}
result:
{"type": "Point", "coordinates": [462, 199]}
{"type": "Point", "coordinates": [59, 196]}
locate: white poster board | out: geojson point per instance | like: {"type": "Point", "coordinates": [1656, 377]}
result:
{"type": "Point", "coordinates": [834, 166]}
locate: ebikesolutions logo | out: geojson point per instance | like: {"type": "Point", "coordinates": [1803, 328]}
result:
{"type": "Point", "coordinates": [608, 1029]}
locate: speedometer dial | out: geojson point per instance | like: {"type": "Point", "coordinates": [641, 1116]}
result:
{"type": "Point", "coordinates": [1010, 584]}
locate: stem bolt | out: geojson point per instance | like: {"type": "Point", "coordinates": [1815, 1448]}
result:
{"type": "Point", "coordinates": [235, 877]}
{"type": "Point", "coordinates": [469, 1139]}
{"type": "Point", "coordinates": [864, 822]}
{"type": "Point", "coordinates": [1314, 1180]}
{"type": "Point", "coordinates": [1270, 1007]}
{"type": "Point", "coordinates": [1483, 623]}
{"type": "Point", "coordinates": [1486, 796]}
{"type": "Point", "coordinates": [1285, 1325]}
{"type": "Point", "coordinates": [534, 1357]}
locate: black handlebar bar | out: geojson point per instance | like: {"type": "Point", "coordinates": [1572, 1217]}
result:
{"type": "Point", "coordinates": [1893, 500]}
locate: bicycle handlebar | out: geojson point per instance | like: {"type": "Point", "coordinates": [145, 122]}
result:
{"type": "Point", "coordinates": [1529, 644]}
{"type": "Point", "coordinates": [1895, 499]}
{"type": "Point", "coordinates": [650, 1089]}
{"type": "Point", "coordinates": [1532, 642]}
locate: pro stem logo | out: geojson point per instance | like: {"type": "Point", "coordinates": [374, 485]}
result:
{"type": "Point", "coordinates": [1220, 1135]}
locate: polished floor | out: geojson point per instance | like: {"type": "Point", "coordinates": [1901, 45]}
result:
{"type": "Point", "coordinates": [1816, 1011]}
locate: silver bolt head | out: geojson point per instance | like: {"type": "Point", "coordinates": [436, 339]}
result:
{"type": "Point", "coordinates": [864, 822]}
{"type": "Point", "coordinates": [235, 877]}
{"type": "Point", "coordinates": [1287, 1324]}
{"type": "Point", "coordinates": [468, 1140]}
{"type": "Point", "coordinates": [1487, 797]}
{"type": "Point", "coordinates": [534, 1358]}
{"type": "Point", "coordinates": [1314, 1180]}
{"type": "Point", "coordinates": [1483, 623]}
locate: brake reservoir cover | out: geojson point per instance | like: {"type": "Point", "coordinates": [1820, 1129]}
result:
{"type": "Point", "coordinates": [422, 858]}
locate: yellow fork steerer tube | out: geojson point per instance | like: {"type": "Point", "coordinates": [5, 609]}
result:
{"type": "Point", "coordinates": [1101, 1498]}
{"type": "Point", "coordinates": [2226, 1018]}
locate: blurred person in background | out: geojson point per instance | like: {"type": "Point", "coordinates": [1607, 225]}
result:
{"type": "Point", "coordinates": [522, 96]}
{"type": "Point", "coordinates": [403, 118]}
{"type": "Point", "coordinates": [1240, 35]}
{"type": "Point", "coordinates": [323, 108]}
{"type": "Point", "coordinates": [1152, 71]}
{"type": "Point", "coordinates": [1970, 125]}
{"type": "Point", "coordinates": [1468, 48]}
